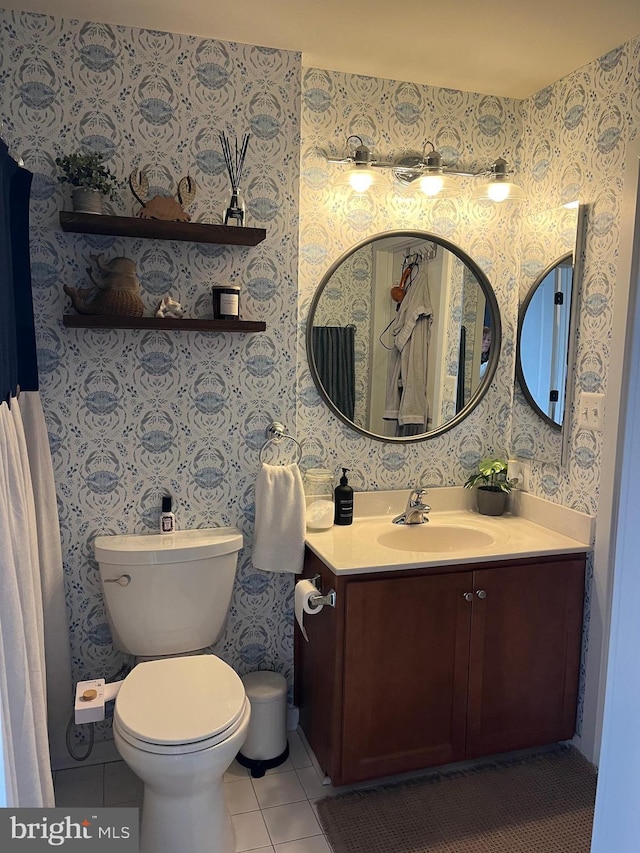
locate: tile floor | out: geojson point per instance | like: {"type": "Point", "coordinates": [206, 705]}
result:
{"type": "Point", "coordinates": [274, 814]}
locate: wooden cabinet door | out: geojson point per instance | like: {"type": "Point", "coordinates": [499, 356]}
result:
{"type": "Point", "coordinates": [405, 673]}
{"type": "Point", "coordinates": [525, 656]}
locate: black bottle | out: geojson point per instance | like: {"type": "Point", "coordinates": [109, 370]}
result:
{"type": "Point", "coordinates": [343, 501]}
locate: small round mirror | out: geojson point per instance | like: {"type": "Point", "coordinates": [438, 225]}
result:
{"type": "Point", "coordinates": [543, 339]}
{"type": "Point", "coordinates": [403, 336]}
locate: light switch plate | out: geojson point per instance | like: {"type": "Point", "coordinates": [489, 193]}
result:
{"type": "Point", "coordinates": [591, 411]}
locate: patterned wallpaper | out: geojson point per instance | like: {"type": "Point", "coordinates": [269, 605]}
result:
{"type": "Point", "coordinates": [395, 118]}
{"type": "Point", "coordinates": [132, 413]}
{"type": "Point", "coordinates": [574, 146]}
{"type": "Point", "coordinates": [566, 142]}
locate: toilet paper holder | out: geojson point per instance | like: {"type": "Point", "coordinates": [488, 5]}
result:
{"type": "Point", "coordinates": [329, 599]}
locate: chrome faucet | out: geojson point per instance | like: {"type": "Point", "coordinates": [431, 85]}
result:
{"type": "Point", "coordinates": [416, 510]}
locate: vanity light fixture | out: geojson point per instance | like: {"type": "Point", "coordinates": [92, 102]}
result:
{"type": "Point", "coordinates": [361, 176]}
{"type": "Point", "coordinates": [498, 187]}
{"type": "Point", "coordinates": [425, 174]}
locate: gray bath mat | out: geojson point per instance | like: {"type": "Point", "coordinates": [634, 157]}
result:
{"type": "Point", "coordinates": [543, 804]}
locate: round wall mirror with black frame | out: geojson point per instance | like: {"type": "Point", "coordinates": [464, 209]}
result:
{"type": "Point", "coordinates": [545, 316]}
{"type": "Point", "coordinates": [403, 336]}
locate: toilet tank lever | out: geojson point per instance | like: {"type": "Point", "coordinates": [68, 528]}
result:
{"type": "Point", "coordinates": [123, 580]}
{"type": "Point", "coordinates": [328, 599]}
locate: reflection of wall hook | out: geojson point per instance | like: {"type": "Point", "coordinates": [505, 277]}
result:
{"type": "Point", "coordinates": [429, 253]}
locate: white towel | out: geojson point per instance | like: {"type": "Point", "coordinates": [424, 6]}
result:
{"type": "Point", "coordinates": [278, 539]}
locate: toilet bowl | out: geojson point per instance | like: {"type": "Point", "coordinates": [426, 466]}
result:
{"type": "Point", "coordinates": [180, 716]}
{"type": "Point", "coordinates": [178, 724]}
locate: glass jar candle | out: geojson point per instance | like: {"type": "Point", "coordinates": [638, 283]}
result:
{"type": "Point", "coordinates": [226, 302]}
{"type": "Point", "coordinates": [318, 497]}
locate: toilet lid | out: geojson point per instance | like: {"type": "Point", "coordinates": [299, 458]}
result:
{"type": "Point", "coordinates": [179, 700]}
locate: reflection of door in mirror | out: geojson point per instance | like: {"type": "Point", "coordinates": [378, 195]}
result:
{"type": "Point", "coordinates": [422, 329]}
{"type": "Point", "coordinates": [439, 292]}
{"type": "Point", "coordinates": [543, 370]}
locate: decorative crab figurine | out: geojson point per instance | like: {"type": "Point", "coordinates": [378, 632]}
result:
{"type": "Point", "coordinates": [168, 208]}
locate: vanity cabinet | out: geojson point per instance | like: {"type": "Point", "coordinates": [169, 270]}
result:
{"type": "Point", "coordinates": [423, 667]}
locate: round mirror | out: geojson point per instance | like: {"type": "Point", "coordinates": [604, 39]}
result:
{"type": "Point", "coordinates": [543, 341]}
{"type": "Point", "coordinates": [403, 336]}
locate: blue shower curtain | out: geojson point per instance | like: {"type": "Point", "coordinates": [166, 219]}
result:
{"type": "Point", "coordinates": [18, 365]}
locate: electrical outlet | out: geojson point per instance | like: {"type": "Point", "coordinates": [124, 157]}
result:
{"type": "Point", "coordinates": [521, 471]}
{"type": "Point", "coordinates": [591, 411]}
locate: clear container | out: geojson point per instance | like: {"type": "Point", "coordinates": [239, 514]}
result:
{"type": "Point", "coordinates": [318, 497]}
{"type": "Point", "coordinates": [235, 210]}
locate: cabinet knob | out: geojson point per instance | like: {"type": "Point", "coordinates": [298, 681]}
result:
{"type": "Point", "coordinates": [468, 596]}
{"type": "Point", "coordinates": [481, 593]}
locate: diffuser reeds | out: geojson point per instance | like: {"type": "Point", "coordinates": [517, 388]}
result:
{"type": "Point", "coordinates": [235, 164]}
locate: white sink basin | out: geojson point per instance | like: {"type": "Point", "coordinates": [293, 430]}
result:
{"type": "Point", "coordinates": [434, 538]}
{"type": "Point", "coordinates": [453, 535]}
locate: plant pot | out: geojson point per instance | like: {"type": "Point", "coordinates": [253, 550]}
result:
{"type": "Point", "coordinates": [86, 201]}
{"type": "Point", "coordinates": [491, 501]}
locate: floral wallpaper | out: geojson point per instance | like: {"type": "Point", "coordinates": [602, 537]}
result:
{"type": "Point", "coordinates": [134, 413]}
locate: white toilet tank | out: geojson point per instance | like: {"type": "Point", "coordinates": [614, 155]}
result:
{"type": "Point", "coordinates": [167, 594]}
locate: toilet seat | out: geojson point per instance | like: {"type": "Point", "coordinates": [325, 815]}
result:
{"type": "Point", "coordinates": [180, 705]}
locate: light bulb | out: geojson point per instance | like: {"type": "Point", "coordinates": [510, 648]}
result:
{"type": "Point", "coordinates": [431, 184]}
{"type": "Point", "coordinates": [360, 180]}
{"type": "Point", "coordinates": [498, 191]}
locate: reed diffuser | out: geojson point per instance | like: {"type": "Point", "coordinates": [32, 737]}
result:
{"type": "Point", "coordinates": [235, 210]}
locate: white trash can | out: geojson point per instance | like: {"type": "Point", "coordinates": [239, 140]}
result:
{"type": "Point", "coordinates": [266, 742]}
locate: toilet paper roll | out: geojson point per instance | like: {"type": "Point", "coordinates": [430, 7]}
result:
{"type": "Point", "coordinates": [302, 604]}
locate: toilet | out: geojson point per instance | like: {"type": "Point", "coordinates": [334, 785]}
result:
{"type": "Point", "coordinates": [180, 715]}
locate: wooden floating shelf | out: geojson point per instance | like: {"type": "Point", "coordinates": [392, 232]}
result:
{"type": "Point", "coordinates": [92, 321]}
{"type": "Point", "coordinates": [160, 229]}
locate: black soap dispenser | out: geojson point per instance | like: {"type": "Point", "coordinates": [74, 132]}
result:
{"type": "Point", "coordinates": [343, 513]}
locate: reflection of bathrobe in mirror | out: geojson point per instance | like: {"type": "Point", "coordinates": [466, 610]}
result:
{"type": "Point", "coordinates": [406, 395]}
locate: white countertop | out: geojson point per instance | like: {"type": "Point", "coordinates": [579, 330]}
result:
{"type": "Point", "coordinates": [457, 533]}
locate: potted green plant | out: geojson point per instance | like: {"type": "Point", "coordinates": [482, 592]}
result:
{"type": "Point", "coordinates": [493, 486]}
{"type": "Point", "coordinates": [90, 179]}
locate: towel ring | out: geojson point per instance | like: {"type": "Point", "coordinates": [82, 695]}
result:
{"type": "Point", "coordinates": [275, 433]}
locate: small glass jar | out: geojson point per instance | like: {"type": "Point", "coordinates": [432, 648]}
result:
{"type": "Point", "coordinates": [318, 498]}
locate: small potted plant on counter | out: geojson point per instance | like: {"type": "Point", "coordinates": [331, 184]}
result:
{"type": "Point", "coordinates": [90, 180]}
{"type": "Point", "coordinates": [493, 486]}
